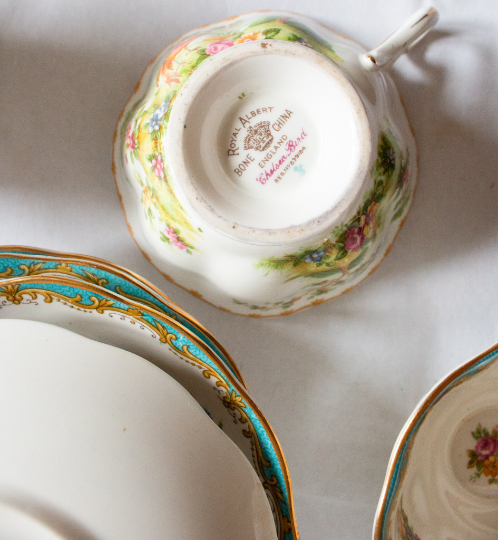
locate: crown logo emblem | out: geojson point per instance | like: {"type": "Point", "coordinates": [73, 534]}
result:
{"type": "Point", "coordinates": [258, 137]}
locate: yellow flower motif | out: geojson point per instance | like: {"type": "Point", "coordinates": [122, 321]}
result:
{"type": "Point", "coordinates": [369, 221]}
{"type": "Point", "coordinates": [253, 36]}
{"type": "Point", "coordinates": [490, 467]}
{"type": "Point", "coordinates": [148, 200]}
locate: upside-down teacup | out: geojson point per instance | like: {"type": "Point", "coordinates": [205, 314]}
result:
{"type": "Point", "coordinates": [265, 162]}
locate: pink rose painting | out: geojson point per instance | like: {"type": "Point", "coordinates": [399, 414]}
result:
{"type": "Point", "coordinates": [129, 133]}
{"type": "Point", "coordinates": [486, 446]}
{"type": "Point", "coordinates": [158, 165]}
{"type": "Point", "coordinates": [132, 142]}
{"type": "Point", "coordinates": [215, 48]}
{"type": "Point", "coordinates": [354, 239]}
{"type": "Point", "coordinates": [173, 238]}
{"type": "Point", "coordinates": [484, 456]}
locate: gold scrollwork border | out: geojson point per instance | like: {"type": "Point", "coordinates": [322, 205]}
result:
{"type": "Point", "coordinates": [64, 268]}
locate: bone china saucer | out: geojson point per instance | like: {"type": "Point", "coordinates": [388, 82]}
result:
{"type": "Point", "coordinates": [442, 480]}
{"type": "Point", "coordinates": [95, 438]}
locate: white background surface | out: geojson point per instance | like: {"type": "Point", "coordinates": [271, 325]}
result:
{"type": "Point", "coordinates": [337, 381]}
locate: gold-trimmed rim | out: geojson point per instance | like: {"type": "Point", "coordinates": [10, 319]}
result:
{"type": "Point", "coordinates": [128, 275]}
{"type": "Point", "coordinates": [96, 260]}
{"type": "Point", "coordinates": [196, 293]}
{"type": "Point", "coordinates": [202, 347]}
{"type": "Point", "coordinates": [419, 411]}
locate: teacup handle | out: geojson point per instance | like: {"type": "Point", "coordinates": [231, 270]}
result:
{"type": "Point", "coordinates": [411, 32]}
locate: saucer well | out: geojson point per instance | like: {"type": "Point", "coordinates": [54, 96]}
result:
{"type": "Point", "coordinates": [96, 438]}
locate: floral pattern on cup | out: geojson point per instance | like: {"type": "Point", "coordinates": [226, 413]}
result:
{"type": "Point", "coordinates": [252, 36]}
{"type": "Point", "coordinates": [170, 235]}
{"type": "Point", "coordinates": [157, 165]}
{"type": "Point", "coordinates": [484, 456]}
{"type": "Point", "coordinates": [344, 253]}
{"type": "Point", "coordinates": [215, 48]}
{"type": "Point", "coordinates": [131, 143]}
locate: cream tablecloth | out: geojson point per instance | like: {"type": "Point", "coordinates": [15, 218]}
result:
{"type": "Point", "coordinates": [338, 381]}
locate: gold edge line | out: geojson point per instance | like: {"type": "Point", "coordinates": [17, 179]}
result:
{"type": "Point", "coordinates": [238, 387]}
{"type": "Point", "coordinates": [416, 415]}
{"type": "Point", "coordinates": [133, 278]}
{"type": "Point", "coordinates": [428, 14]}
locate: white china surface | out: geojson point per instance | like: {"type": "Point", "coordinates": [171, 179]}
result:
{"type": "Point", "coordinates": [336, 382]}
{"type": "Point", "coordinates": [100, 443]}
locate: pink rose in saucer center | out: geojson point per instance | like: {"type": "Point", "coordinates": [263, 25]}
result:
{"type": "Point", "coordinates": [215, 48]}
{"type": "Point", "coordinates": [486, 446]}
